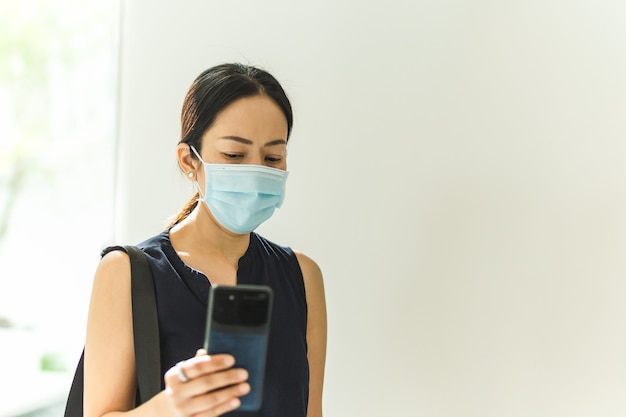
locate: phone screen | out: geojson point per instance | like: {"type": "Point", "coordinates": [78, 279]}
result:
{"type": "Point", "coordinates": [238, 321]}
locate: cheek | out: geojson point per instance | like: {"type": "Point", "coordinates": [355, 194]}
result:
{"type": "Point", "coordinates": [200, 181]}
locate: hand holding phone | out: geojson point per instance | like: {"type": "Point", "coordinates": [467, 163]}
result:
{"type": "Point", "coordinates": [238, 321]}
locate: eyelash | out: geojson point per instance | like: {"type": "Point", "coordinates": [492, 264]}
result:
{"type": "Point", "coordinates": [234, 156]}
{"type": "Point", "coordinates": [273, 160]}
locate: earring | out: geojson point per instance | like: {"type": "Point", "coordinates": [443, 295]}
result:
{"type": "Point", "coordinates": [190, 174]}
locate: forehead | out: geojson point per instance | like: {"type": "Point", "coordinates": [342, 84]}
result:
{"type": "Point", "coordinates": [256, 118]}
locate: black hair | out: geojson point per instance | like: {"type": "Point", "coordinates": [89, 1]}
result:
{"type": "Point", "coordinates": [219, 86]}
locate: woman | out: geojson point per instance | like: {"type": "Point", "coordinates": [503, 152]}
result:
{"type": "Point", "coordinates": [234, 116]}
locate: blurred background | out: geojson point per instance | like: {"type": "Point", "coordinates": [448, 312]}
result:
{"type": "Point", "coordinates": [58, 93]}
{"type": "Point", "coordinates": [456, 169]}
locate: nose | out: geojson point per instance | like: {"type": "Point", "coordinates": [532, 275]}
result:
{"type": "Point", "coordinates": [256, 158]}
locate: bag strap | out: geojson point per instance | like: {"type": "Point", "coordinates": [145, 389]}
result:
{"type": "Point", "coordinates": [145, 334]}
{"type": "Point", "coordinates": [145, 326]}
{"type": "Point", "coordinates": [74, 404]}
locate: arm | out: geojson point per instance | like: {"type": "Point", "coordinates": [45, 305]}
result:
{"type": "Point", "coordinates": [315, 332]}
{"type": "Point", "coordinates": [110, 385]}
{"type": "Point", "coordinates": [109, 357]}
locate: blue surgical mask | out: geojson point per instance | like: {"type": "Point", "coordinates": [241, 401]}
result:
{"type": "Point", "coordinates": [242, 196]}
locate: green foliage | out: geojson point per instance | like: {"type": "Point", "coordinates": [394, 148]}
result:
{"type": "Point", "coordinates": [52, 361]}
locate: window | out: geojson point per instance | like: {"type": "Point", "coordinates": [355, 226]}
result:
{"type": "Point", "coordinates": [58, 68]}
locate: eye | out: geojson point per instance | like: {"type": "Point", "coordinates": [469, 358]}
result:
{"type": "Point", "coordinates": [232, 156]}
{"type": "Point", "coordinates": [274, 159]}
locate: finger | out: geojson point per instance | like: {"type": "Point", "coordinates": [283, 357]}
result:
{"type": "Point", "coordinates": [221, 409]}
{"type": "Point", "coordinates": [227, 407]}
{"type": "Point", "coordinates": [216, 401]}
{"type": "Point", "coordinates": [207, 364]}
{"type": "Point", "coordinates": [215, 381]}
{"type": "Point", "coordinates": [197, 366]}
{"type": "Point", "coordinates": [201, 352]}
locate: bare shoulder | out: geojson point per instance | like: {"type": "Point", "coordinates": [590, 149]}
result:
{"type": "Point", "coordinates": [111, 284]}
{"type": "Point", "coordinates": [111, 280]}
{"type": "Point", "coordinates": [113, 261]}
{"type": "Point", "coordinates": [311, 271]}
{"type": "Point", "coordinates": [312, 275]}
{"type": "Point", "coordinates": [313, 283]}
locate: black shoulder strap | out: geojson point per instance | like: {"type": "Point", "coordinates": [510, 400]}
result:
{"type": "Point", "coordinates": [74, 405]}
{"type": "Point", "coordinates": [145, 326]}
{"type": "Point", "coordinates": [146, 337]}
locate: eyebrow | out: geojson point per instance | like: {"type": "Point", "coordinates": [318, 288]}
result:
{"type": "Point", "coordinates": [249, 142]}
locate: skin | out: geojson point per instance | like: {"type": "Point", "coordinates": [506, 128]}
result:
{"type": "Point", "coordinates": [251, 130]}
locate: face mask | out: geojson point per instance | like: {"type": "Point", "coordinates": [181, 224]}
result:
{"type": "Point", "coordinates": [242, 196]}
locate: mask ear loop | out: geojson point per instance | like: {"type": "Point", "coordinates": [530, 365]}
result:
{"type": "Point", "coordinates": [197, 154]}
{"type": "Point", "coordinates": [200, 192]}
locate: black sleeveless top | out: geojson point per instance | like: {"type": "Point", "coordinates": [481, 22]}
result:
{"type": "Point", "coordinates": [182, 295]}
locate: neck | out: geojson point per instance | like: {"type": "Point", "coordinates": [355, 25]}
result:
{"type": "Point", "coordinates": [200, 234]}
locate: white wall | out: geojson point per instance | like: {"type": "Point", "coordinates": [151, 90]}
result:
{"type": "Point", "coordinates": [456, 170]}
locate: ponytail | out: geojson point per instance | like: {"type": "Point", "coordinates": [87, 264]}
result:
{"type": "Point", "coordinates": [186, 210]}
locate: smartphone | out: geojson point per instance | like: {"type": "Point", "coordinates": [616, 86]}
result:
{"type": "Point", "coordinates": [238, 323]}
